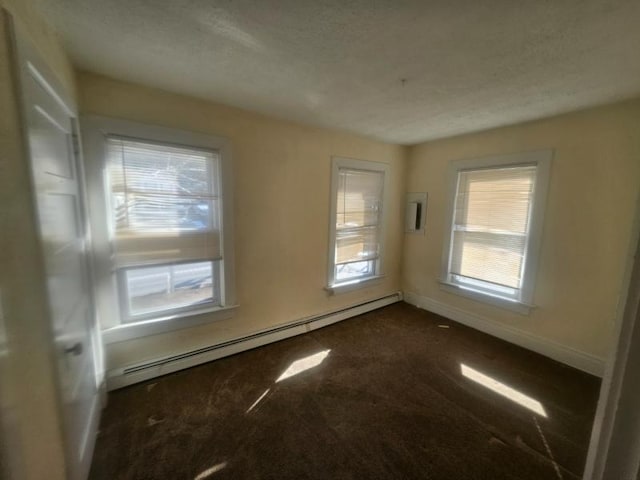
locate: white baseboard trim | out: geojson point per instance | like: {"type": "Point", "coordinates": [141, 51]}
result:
{"type": "Point", "coordinates": [122, 377]}
{"type": "Point", "coordinates": [569, 356]}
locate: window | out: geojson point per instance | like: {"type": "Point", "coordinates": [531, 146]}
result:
{"type": "Point", "coordinates": [166, 229]}
{"type": "Point", "coordinates": [165, 212]}
{"type": "Point", "coordinates": [495, 225]}
{"type": "Point", "coordinates": [357, 221]}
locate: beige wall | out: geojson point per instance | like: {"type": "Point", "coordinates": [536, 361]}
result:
{"type": "Point", "coordinates": [281, 182]}
{"type": "Point", "coordinates": [594, 185]}
{"type": "Point", "coordinates": [28, 399]}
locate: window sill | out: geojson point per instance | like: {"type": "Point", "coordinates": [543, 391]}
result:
{"type": "Point", "coordinates": [129, 331]}
{"type": "Point", "coordinates": [354, 285]}
{"type": "Point", "coordinates": [505, 303]}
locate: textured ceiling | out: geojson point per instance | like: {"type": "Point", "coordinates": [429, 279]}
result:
{"type": "Point", "coordinates": [467, 65]}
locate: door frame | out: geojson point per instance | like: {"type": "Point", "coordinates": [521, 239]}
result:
{"type": "Point", "coordinates": [614, 450]}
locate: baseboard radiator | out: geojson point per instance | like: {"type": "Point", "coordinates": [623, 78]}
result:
{"type": "Point", "coordinates": [122, 377]}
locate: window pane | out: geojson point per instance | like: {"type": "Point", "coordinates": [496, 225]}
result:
{"type": "Point", "coordinates": [348, 271]}
{"type": "Point", "coordinates": [357, 244]}
{"type": "Point", "coordinates": [162, 187]}
{"type": "Point", "coordinates": [360, 218]}
{"type": "Point", "coordinates": [151, 213]}
{"type": "Point", "coordinates": [495, 200]}
{"type": "Point", "coordinates": [495, 258]}
{"type": "Point", "coordinates": [167, 287]}
{"type": "Point", "coordinates": [148, 167]}
{"type": "Point", "coordinates": [164, 203]}
{"type": "Point", "coordinates": [359, 198]}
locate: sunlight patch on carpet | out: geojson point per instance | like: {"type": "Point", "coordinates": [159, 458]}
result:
{"type": "Point", "coordinates": [504, 390]}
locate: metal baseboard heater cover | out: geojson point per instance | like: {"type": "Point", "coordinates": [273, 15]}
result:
{"type": "Point", "coordinates": [123, 377]}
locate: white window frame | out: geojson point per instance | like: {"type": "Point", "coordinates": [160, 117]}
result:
{"type": "Point", "coordinates": [524, 302]}
{"type": "Point", "coordinates": [96, 129]}
{"type": "Point", "coordinates": [365, 165]}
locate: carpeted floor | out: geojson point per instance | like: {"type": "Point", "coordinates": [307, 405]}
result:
{"type": "Point", "coordinates": [393, 395]}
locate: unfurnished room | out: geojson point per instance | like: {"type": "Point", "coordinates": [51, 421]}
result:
{"type": "Point", "coordinates": [275, 239]}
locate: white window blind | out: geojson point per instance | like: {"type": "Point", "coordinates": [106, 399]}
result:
{"type": "Point", "coordinates": [165, 202]}
{"type": "Point", "coordinates": [490, 230]}
{"type": "Point", "coordinates": [358, 223]}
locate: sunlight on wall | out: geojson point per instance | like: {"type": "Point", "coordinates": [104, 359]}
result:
{"type": "Point", "coordinates": [504, 390]}
{"type": "Point", "coordinates": [303, 364]}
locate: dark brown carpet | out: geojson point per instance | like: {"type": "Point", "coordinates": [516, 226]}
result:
{"type": "Point", "coordinates": [389, 401]}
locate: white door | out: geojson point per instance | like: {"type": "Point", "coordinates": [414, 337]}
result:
{"type": "Point", "coordinates": [50, 125]}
